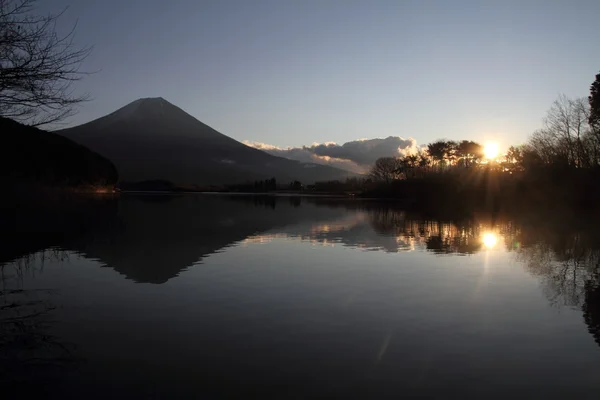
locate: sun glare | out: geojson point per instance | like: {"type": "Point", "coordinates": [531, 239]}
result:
{"type": "Point", "coordinates": [489, 239]}
{"type": "Point", "coordinates": [490, 150]}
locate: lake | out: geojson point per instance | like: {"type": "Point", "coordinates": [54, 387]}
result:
{"type": "Point", "coordinates": [211, 296]}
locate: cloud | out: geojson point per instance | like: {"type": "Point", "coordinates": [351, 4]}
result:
{"type": "Point", "coordinates": [303, 154]}
{"type": "Point", "coordinates": [356, 156]}
{"type": "Point", "coordinates": [366, 151]}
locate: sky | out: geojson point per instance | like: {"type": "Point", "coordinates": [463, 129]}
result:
{"type": "Point", "coordinates": [292, 73]}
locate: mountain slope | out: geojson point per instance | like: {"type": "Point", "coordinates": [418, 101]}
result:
{"type": "Point", "coordinates": [32, 156]}
{"type": "Point", "coordinates": [153, 139]}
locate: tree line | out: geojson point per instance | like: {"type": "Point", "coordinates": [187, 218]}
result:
{"type": "Point", "coordinates": [569, 139]}
{"type": "Point", "coordinates": [435, 157]}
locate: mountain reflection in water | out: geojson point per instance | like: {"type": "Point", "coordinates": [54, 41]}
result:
{"type": "Point", "coordinates": [153, 239]}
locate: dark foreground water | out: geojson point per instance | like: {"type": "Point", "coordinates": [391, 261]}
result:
{"type": "Point", "coordinates": [201, 296]}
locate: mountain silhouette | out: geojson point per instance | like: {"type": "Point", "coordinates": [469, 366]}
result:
{"type": "Point", "coordinates": [151, 139]}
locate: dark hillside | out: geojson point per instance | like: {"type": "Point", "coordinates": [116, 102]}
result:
{"type": "Point", "coordinates": [32, 156]}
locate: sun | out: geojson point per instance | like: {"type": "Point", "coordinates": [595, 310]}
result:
{"type": "Point", "coordinates": [489, 239]}
{"type": "Point", "coordinates": [490, 150]}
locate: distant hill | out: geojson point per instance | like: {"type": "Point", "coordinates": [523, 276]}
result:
{"type": "Point", "coordinates": [32, 156]}
{"type": "Point", "coordinates": [151, 139]}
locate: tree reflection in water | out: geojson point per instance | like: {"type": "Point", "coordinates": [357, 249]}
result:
{"type": "Point", "coordinates": [566, 256]}
{"type": "Point", "coordinates": [591, 308]}
{"type": "Point", "coordinates": [437, 236]}
{"type": "Point", "coordinates": [27, 346]}
{"type": "Point", "coordinates": [562, 250]}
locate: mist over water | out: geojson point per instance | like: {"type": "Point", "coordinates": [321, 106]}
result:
{"type": "Point", "coordinates": [210, 296]}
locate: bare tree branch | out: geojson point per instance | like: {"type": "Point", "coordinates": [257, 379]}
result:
{"type": "Point", "coordinates": [37, 66]}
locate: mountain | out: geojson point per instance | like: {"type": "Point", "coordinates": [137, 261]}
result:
{"type": "Point", "coordinates": [151, 139]}
{"type": "Point", "coordinates": [32, 156]}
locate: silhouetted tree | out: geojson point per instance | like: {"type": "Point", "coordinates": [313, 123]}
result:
{"type": "Point", "coordinates": [450, 153]}
{"type": "Point", "coordinates": [441, 151]}
{"type": "Point", "coordinates": [259, 186]}
{"type": "Point", "coordinates": [411, 163]}
{"type": "Point", "coordinates": [437, 150]}
{"type": "Point", "coordinates": [295, 185]}
{"type": "Point", "coordinates": [352, 185]}
{"type": "Point", "coordinates": [531, 159]}
{"type": "Point", "coordinates": [594, 120]}
{"type": "Point", "coordinates": [37, 65]}
{"type": "Point", "coordinates": [514, 158]}
{"type": "Point", "coordinates": [469, 152]}
{"type": "Point", "coordinates": [424, 160]}
{"type": "Point", "coordinates": [594, 100]}
{"type": "Point", "coordinates": [386, 169]}
{"type": "Point", "coordinates": [565, 136]}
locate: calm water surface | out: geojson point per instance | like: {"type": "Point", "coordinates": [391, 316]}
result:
{"type": "Point", "coordinates": [200, 296]}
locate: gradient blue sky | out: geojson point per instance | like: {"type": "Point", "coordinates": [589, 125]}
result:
{"type": "Point", "coordinates": [290, 73]}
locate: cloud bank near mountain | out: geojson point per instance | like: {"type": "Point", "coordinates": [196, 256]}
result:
{"type": "Point", "coordinates": [356, 156]}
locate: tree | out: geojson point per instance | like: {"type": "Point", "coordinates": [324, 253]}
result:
{"type": "Point", "coordinates": [437, 150]}
{"type": "Point", "coordinates": [450, 152]}
{"type": "Point", "coordinates": [385, 169]}
{"type": "Point", "coordinates": [566, 137]}
{"type": "Point", "coordinates": [441, 151]}
{"type": "Point", "coordinates": [594, 100]}
{"type": "Point", "coordinates": [468, 152]}
{"type": "Point", "coordinates": [593, 139]}
{"type": "Point", "coordinates": [37, 65]}
{"type": "Point", "coordinates": [531, 158]}
{"type": "Point", "coordinates": [296, 185]}
{"type": "Point", "coordinates": [566, 124]}
{"type": "Point", "coordinates": [411, 163]}
{"type": "Point", "coordinates": [424, 159]}
{"type": "Point", "coordinates": [514, 158]}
